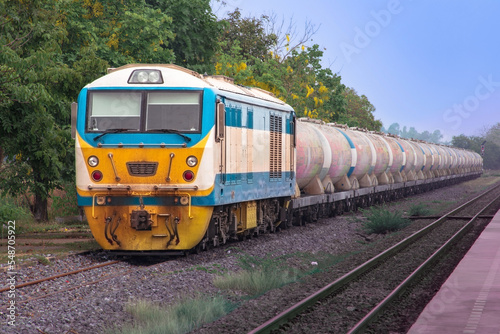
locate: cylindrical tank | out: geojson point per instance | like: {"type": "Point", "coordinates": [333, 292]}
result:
{"type": "Point", "coordinates": [338, 151]}
{"type": "Point", "coordinates": [365, 153]}
{"type": "Point", "coordinates": [411, 155]}
{"type": "Point", "coordinates": [383, 160]}
{"type": "Point", "coordinates": [399, 155]}
{"type": "Point", "coordinates": [342, 152]}
{"type": "Point", "coordinates": [428, 159]}
{"type": "Point", "coordinates": [420, 160]}
{"type": "Point", "coordinates": [310, 153]}
{"type": "Point", "coordinates": [436, 158]}
{"type": "Point", "coordinates": [454, 158]}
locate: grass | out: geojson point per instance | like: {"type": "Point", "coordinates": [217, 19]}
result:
{"type": "Point", "coordinates": [16, 209]}
{"type": "Point", "coordinates": [62, 203]}
{"type": "Point", "coordinates": [420, 209]}
{"type": "Point", "coordinates": [13, 209]}
{"type": "Point", "coordinates": [379, 220]}
{"type": "Point", "coordinates": [181, 317]}
{"type": "Point", "coordinates": [258, 275]}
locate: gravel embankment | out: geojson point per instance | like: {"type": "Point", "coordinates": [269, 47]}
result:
{"type": "Point", "coordinates": [100, 307]}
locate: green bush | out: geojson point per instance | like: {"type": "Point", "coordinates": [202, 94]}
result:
{"type": "Point", "coordinates": [66, 204]}
{"type": "Point", "coordinates": [381, 221]}
{"type": "Point", "coordinates": [420, 209]}
{"type": "Point", "coordinates": [12, 209]}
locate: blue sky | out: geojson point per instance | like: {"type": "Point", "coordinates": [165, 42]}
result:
{"type": "Point", "coordinates": [428, 64]}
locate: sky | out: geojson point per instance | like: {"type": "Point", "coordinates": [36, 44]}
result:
{"type": "Point", "coordinates": [433, 65]}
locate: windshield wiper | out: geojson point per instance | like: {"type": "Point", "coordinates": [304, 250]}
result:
{"type": "Point", "coordinates": [186, 138]}
{"type": "Point", "coordinates": [112, 131]}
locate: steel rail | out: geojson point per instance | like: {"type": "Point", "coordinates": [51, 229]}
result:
{"type": "Point", "coordinates": [293, 311]}
{"type": "Point", "coordinates": [379, 308]}
{"type": "Point", "coordinates": [60, 275]}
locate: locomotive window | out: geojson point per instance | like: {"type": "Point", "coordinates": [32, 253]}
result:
{"type": "Point", "coordinates": [112, 110]}
{"type": "Point", "coordinates": [144, 110]}
{"type": "Point", "coordinates": [173, 110]}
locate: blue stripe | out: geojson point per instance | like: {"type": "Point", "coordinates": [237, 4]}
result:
{"type": "Point", "coordinates": [350, 171]}
{"type": "Point", "coordinates": [351, 144]}
{"type": "Point", "coordinates": [260, 187]}
{"type": "Point", "coordinates": [402, 150]}
{"type": "Point", "coordinates": [243, 115]}
{"type": "Point", "coordinates": [401, 147]}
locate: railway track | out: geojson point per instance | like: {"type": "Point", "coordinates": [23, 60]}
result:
{"type": "Point", "coordinates": [352, 302]}
{"type": "Point", "coordinates": [63, 282]}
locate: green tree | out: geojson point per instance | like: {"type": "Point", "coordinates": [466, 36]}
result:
{"type": "Point", "coordinates": [360, 111]}
{"type": "Point", "coordinates": [254, 42]}
{"type": "Point", "coordinates": [492, 147]}
{"type": "Point", "coordinates": [48, 51]}
{"type": "Point", "coordinates": [394, 129]}
{"type": "Point", "coordinates": [120, 32]}
{"type": "Point", "coordinates": [195, 31]}
{"type": "Point", "coordinates": [32, 104]}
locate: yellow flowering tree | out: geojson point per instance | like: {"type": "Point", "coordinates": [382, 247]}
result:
{"type": "Point", "coordinates": [360, 111]}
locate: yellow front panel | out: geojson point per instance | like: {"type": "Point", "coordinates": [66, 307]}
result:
{"type": "Point", "coordinates": [190, 231]}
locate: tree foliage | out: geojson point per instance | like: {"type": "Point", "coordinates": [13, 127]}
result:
{"type": "Point", "coordinates": [360, 111]}
{"type": "Point", "coordinates": [294, 74]}
{"type": "Point", "coordinates": [33, 102]}
{"type": "Point", "coordinates": [119, 32]}
{"type": "Point", "coordinates": [50, 50]}
{"type": "Point", "coordinates": [250, 33]}
{"type": "Point", "coordinates": [195, 32]}
{"type": "Point", "coordinates": [491, 140]}
{"type": "Point", "coordinates": [412, 133]}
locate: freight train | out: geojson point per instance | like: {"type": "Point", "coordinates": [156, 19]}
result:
{"type": "Point", "coordinates": [168, 160]}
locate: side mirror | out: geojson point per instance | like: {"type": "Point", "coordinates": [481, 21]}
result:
{"type": "Point", "coordinates": [220, 121]}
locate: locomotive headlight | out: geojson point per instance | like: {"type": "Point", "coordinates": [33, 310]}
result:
{"type": "Point", "coordinates": [154, 76]}
{"type": "Point", "coordinates": [142, 77]}
{"type": "Point", "coordinates": [145, 77]}
{"type": "Point", "coordinates": [184, 200]}
{"type": "Point", "coordinates": [192, 161]}
{"type": "Point", "coordinates": [101, 200]}
{"type": "Point", "coordinates": [93, 161]}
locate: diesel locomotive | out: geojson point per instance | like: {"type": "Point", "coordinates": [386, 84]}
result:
{"type": "Point", "coordinates": [169, 160]}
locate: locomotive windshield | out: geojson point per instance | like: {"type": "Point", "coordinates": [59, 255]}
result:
{"type": "Point", "coordinates": [144, 111]}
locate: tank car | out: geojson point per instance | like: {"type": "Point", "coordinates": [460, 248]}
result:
{"type": "Point", "coordinates": [171, 160]}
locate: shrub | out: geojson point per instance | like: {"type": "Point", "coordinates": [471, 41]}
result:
{"type": "Point", "coordinates": [380, 221]}
{"type": "Point", "coordinates": [12, 209]}
{"type": "Point", "coordinates": [65, 203]}
{"type": "Point", "coordinates": [419, 209]}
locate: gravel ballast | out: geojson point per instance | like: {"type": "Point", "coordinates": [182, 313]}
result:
{"type": "Point", "coordinates": [101, 307]}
